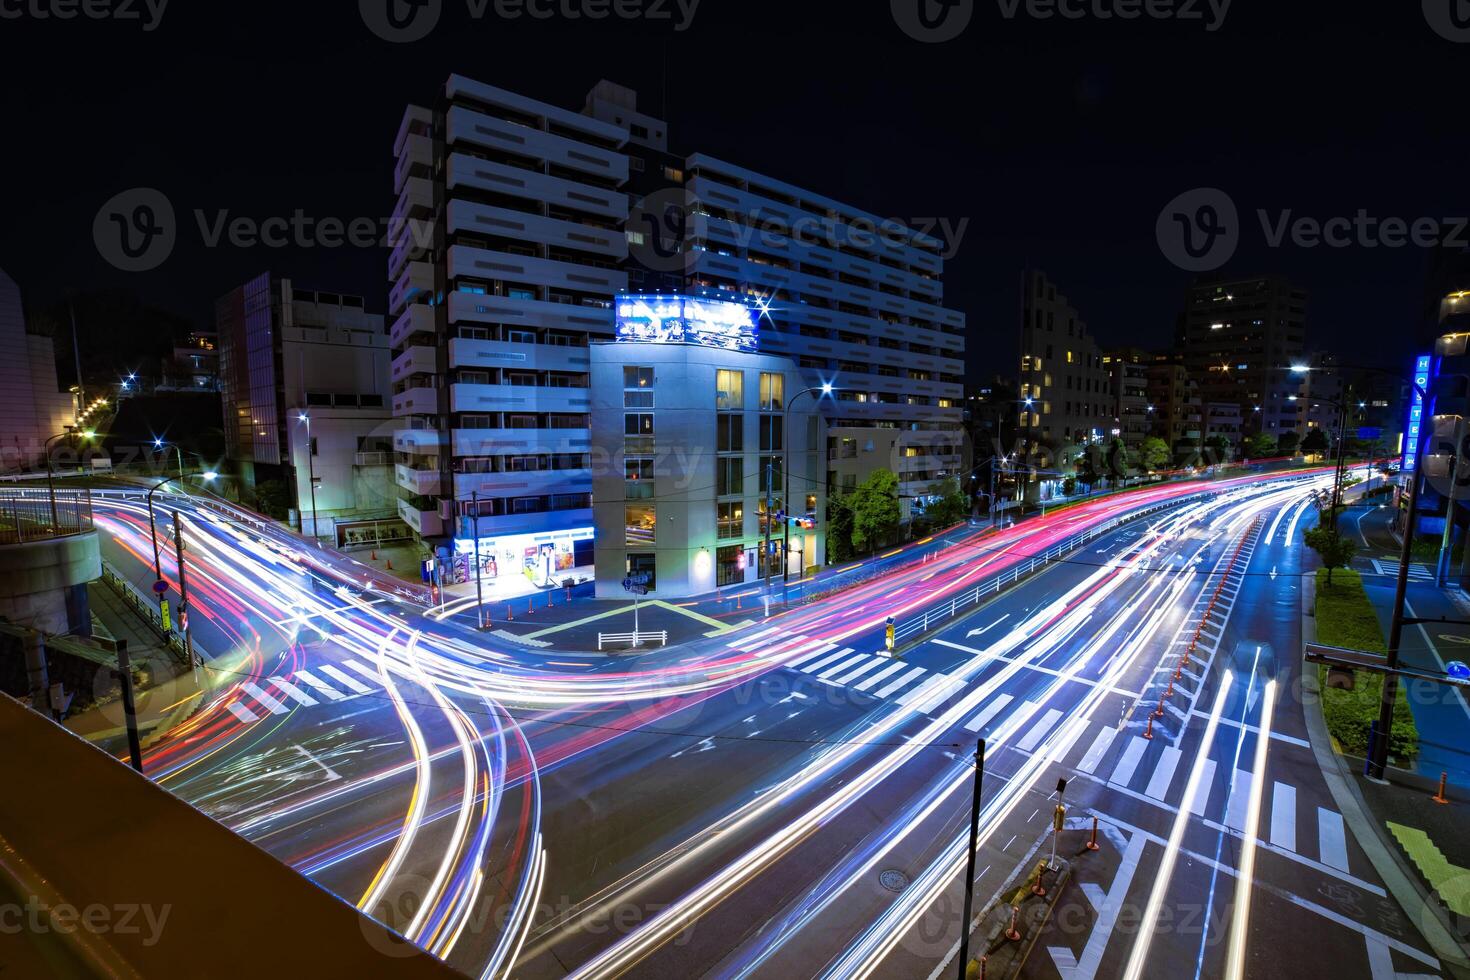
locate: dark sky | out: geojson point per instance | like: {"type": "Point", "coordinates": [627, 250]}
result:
{"type": "Point", "coordinates": [1058, 141]}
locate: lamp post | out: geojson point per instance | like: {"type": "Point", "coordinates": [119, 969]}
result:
{"type": "Point", "coordinates": [825, 389]}
{"type": "Point", "coordinates": [311, 479]}
{"type": "Point", "coordinates": [159, 586]}
{"type": "Point", "coordinates": [178, 454]}
{"type": "Point", "coordinates": [51, 473]}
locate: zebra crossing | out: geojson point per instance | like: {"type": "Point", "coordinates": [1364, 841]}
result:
{"type": "Point", "coordinates": [1417, 572]}
{"type": "Point", "coordinates": [872, 674]}
{"type": "Point", "coordinates": [262, 697]}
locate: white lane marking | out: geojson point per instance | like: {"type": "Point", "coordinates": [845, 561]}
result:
{"type": "Point", "coordinates": [842, 665]}
{"type": "Point", "coordinates": [990, 711]}
{"type": "Point", "coordinates": [1240, 796]}
{"type": "Point", "coordinates": [293, 692]}
{"type": "Point", "coordinates": [1332, 838]}
{"type": "Point", "coordinates": [1095, 752]}
{"type": "Point", "coordinates": [1108, 907]}
{"type": "Point", "coordinates": [1206, 786]}
{"type": "Point", "coordinates": [266, 701]}
{"type": "Point", "coordinates": [885, 672]}
{"type": "Point", "coordinates": [321, 686]}
{"type": "Point", "coordinates": [851, 676]}
{"type": "Point", "coordinates": [242, 712]}
{"type": "Point", "coordinates": [888, 689]}
{"type": "Point", "coordinates": [1283, 816]}
{"type": "Point", "coordinates": [1158, 784]}
{"type": "Point", "coordinates": [1129, 762]}
{"type": "Point", "coordinates": [1039, 730]}
{"type": "Point", "coordinates": [1380, 963]}
{"type": "Point", "coordinates": [344, 679]}
{"type": "Point", "coordinates": [986, 629]}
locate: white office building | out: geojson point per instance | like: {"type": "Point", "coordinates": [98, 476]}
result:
{"type": "Point", "coordinates": [32, 410]}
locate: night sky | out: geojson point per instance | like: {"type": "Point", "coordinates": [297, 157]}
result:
{"type": "Point", "coordinates": [1058, 141]}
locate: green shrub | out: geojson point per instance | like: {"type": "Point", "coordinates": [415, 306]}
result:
{"type": "Point", "coordinates": [1345, 618]}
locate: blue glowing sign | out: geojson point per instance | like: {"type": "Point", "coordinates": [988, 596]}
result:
{"type": "Point", "coordinates": [1416, 415]}
{"type": "Point", "coordinates": [668, 319]}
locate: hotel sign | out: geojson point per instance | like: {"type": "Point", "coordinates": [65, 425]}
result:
{"type": "Point", "coordinates": [1415, 427]}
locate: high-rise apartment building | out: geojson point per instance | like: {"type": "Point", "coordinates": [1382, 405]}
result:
{"type": "Point", "coordinates": [32, 410]}
{"type": "Point", "coordinates": [1128, 378]}
{"type": "Point", "coordinates": [511, 238]}
{"type": "Point", "coordinates": [304, 389]}
{"type": "Point", "coordinates": [1066, 390]}
{"type": "Point", "coordinates": [1177, 409]}
{"type": "Point", "coordinates": [1239, 339]}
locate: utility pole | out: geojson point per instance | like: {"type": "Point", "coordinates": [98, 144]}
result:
{"type": "Point", "coordinates": [770, 516]}
{"type": "Point", "coordinates": [130, 712]}
{"type": "Point", "coordinates": [76, 351]}
{"type": "Point", "coordinates": [479, 587]}
{"type": "Point", "coordinates": [970, 859]}
{"type": "Point", "coordinates": [1378, 762]}
{"type": "Point", "coordinates": [183, 587]}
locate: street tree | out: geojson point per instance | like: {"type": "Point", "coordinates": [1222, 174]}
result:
{"type": "Point", "coordinates": [1154, 454]}
{"type": "Point", "coordinates": [1260, 444]}
{"type": "Point", "coordinates": [1332, 548]}
{"type": "Point", "coordinates": [950, 506]}
{"type": "Point", "coordinates": [875, 513]}
{"type": "Point", "coordinates": [1316, 443]}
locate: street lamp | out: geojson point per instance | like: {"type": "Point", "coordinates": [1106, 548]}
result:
{"type": "Point", "coordinates": [823, 390]}
{"type": "Point", "coordinates": [160, 587]}
{"type": "Point", "coordinates": [311, 478]}
{"type": "Point", "coordinates": [51, 473]}
{"type": "Point", "coordinates": [158, 443]}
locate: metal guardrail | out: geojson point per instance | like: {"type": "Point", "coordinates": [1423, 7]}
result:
{"type": "Point", "coordinates": [962, 603]}
{"type": "Point", "coordinates": [145, 606]}
{"type": "Point", "coordinates": [39, 515]}
{"type": "Point", "coordinates": [633, 639]}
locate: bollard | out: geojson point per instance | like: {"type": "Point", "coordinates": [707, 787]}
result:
{"type": "Point", "coordinates": [1038, 889]}
{"type": "Point", "coordinates": [509, 613]}
{"type": "Point", "coordinates": [375, 554]}
{"type": "Point", "coordinates": [1092, 844]}
{"type": "Point", "coordinates": [1149, 731]}
{"type": "Point", "coordinates": [1013, 934]}
{"type": "Point", "coordinates": [390, 564]}
{"type": "Point", "coordinates": [1159, 711]}
{"type": "Point", "coordinates": [1440, 797]}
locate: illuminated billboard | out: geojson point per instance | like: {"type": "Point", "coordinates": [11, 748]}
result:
{"type": "Point", "coordinates": [655, 318]}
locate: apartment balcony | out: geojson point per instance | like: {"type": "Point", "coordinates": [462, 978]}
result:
{"type": "Point", "coordinates": [416, 401]}
{"type": "Point", "coordinates": [417, 152]}
{"type": "Point", "coordinates": [372, 459]}
{"type": "Point", "coordinates": [417, 319]}
{"type": "Point", "coordinates": [416, 360]}
{"type": "Point", "coordinates": [426, 523]}
{"type": "Point", "coordinates": [523, 484]}
{"type": "Point", "coordinates": [416, 278]}
{"type": "Point", "coordinates": [518, 442]}
{"type": "Point", "coordinates": [478, 219]}
{"type": "Point", "coordinates": [477, 308]}
{"type": "Point", "coordinates": [518, 398]}
{"type": "Point", "coordinates": [418, 442]}
{"type": "Point", "coordinates": [423, 483]}
{"type": "Point", "coordinates": [410, 239]}
{"type": "Point", "coordinates": [465, 260]}
{"type": "Point", "coordinates": [467, 171]}
{"type": "Point", "coordinates": [526, 357]}
{"type": "Point", "coordinates": [465, 125]}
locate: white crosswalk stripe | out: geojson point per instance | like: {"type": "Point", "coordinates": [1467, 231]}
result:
{"type": "Point", "coordinates": [1095, 752]}
{"type": "Point", "coordinates": [824, 661]}
{"type": "Point", "coordinates": [1240, 795]}
{"type": "Point", "coordinates": [755, 639]}
{"type": "Point", "coordinates": [1332, 839]}
{"type": "Point", "coordinates": [1126, 765]}
{"type": "Point", "coordinates": [1283, 816]}
{"type": "Point", "coordinates": [1039, 730]}
{"type": "Point", "coordinates": [888, 671]}
{"type": "Point", "coordinates": [1391, 568]}
{"type": "Point", "coordinates": [801, 650]}
{"type": "Point", "coordinates": [946, 689]}
{"type": "Point", "coordinates": [1206, 787]}
{"type": "Point", "coordinates": [266, 701]}
{"type": "Point", "coordinates": [320, 686]}
{"type": "Point", "coordinates": [868, 664]}
{"type": "Point", "coordinates": [991, 710]}
{"type": "Point", "coordinates": [842, 664]}
{"type": "Point", "coordinates": [243, 713]}
{"type": "Point", "coordinates": [1163, 775]}
{"type": "Point", "coordinates": [888, 689]}
{"type": "Point", "coordinates": [293, 692]}
{"type": "Point", "coordinates": [344, 679]}
{"type": "Point", "coordinates": [368, 672]}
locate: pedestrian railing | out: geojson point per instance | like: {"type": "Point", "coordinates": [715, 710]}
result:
{"type": "Point", "coordinates": [40, 514]}
{"type": "Point", "coordinates": [632, 639]}
{"type": "Point", "coordinates": [146, 607]}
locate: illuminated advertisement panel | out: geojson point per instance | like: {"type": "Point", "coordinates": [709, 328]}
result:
{"type": "Point", "coordinates": [539, 557]}
{"type": "Point", "coordinates": [1416, 414]}
{"type": "Point", "coordinates": [671, 319]}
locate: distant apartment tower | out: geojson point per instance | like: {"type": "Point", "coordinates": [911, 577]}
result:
{"type": "Point", "coordinates": [304, 389]}
{"type": "Point", "coordinates": [32, 410]}
{"type": "Point", "coordinates": [511, 237]}
{"type": "Point", "coordinates": [1128, 378]}
{"type": "Point", "coordinates": [1065, 388]}
{"type": "Point", "coordinates": [1239, 339]}
{"type": "Point", "coordinates": [1178, 411]}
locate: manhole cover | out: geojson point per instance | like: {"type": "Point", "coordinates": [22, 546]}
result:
{"type": "Point", "coordinates": [894, 881]}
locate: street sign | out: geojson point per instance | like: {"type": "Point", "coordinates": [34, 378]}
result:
{"type": "Point", "coordinates": [163, 616]}
{"type": "Point", "coordinates": [636, 584]}
{"type": "Point", "coordinates": [160, 587]}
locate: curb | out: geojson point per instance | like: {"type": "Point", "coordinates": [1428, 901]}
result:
{"type": "Point", "coordinates": [1401, 882]}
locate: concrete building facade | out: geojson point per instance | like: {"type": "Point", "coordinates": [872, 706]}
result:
{"type": "Point", "coordinates": [32, 409]}
{"type": "Point", "coordinates": [1065, 388]}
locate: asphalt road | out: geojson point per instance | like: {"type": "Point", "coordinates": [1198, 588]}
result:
{"type": "Point", "coordinates": [730, 807]}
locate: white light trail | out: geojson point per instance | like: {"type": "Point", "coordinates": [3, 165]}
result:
{"type": "Point", "coordinates": [1235, 959]}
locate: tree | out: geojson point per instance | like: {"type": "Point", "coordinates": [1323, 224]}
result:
{"type": "Point", "coordinates": [839, 527]}
{"type": "Point", "coordinates": [1260, 445]}
{"type": "Point", "coordinates": [875, 513]}
{"type": "Point", "coordinates": [951, 504]}
{"type": "Point", "coordinates": [1334, 549]}
{"type": "Point", "coordinates": [1287, 444]}
{"type": "Point", "coordinates": [1154, 453]}
{"type": "Point", "coordinates": [1219, 448]}
{"type": "Point", "coordinates": [1316, 443]}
